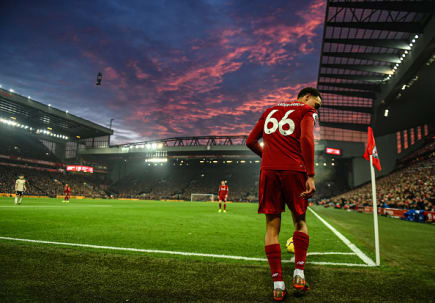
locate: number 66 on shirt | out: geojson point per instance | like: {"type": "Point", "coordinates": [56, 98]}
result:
{"type": "Point", "coordinates": [280, 127]}
{"type": "Point", "coordinates": [285, 120]}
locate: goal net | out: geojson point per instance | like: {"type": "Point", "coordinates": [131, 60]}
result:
{"type": "Point", "coordinates": [202, 197]}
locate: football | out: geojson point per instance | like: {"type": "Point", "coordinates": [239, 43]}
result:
{"type": "Point", "coordinates": [290, 246]}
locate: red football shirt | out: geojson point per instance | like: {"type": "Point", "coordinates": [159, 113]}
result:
{"type": "Point", "coordinates": [67, 190]}
{"type": "Point", "coordinates": [288, 136]}
{"type": "Point", "coordinates": [223, 190]}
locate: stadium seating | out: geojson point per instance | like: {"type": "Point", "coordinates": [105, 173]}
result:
{"type": "Point", "coordinates": [44, 183]}
{"type": "Point", "coordinates": [19, 145]}
{"type": "Point", "coordinates": [410, 187]}
{"type": "Point", "coordinates": [179, 180]}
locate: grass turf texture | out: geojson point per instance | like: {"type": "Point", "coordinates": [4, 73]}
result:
{"type": "Point", "coordinates": [47, 273]}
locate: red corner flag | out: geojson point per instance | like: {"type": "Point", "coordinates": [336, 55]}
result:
{"type": "Point", "coordinates": [371, 150]}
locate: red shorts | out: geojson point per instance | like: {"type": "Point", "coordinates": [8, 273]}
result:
{"type": "Point", "coordinates": [280, 187]}
{"type": "Point", "coordinates": [223, 198]}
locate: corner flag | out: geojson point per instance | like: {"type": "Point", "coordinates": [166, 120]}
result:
{"type": "Point", "coordinates": [371, 154]}
{"type": "Point", "coordinates": [371, 150]}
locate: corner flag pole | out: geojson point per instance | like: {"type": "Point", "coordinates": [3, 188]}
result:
{"type": "Point", "coordinates": [375, 210]}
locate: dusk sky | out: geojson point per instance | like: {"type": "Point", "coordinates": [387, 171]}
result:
{"type": "Point", "coordinates": [170, 68]}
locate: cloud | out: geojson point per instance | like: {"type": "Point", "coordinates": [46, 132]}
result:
{"type": "Point", "coordinates": [192, 100]}
{"type": "Point", "coordinates": [209, 68]}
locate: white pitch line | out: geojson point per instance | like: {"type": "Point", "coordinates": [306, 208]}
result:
{"type": "Point", "coordinates": [51, 206]}
{"type": "Point", "coordinates": [155, 251]}
{"type": "Point", "coordinates": [356, 250]}
{"type": "Point", "coordinates": [323, 253]}
{"type": "Point", "coordinates": [330, 253]}
{"type": "Point", "coordinates": [340, 264]}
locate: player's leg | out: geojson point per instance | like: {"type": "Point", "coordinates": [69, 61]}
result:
{"type": "Point", "coordinates": [271, 203]}
{"type": "Point", "coordinates": [298, 207]}
{"type": "Point", "coordinates": [220, 204]}
{"type": "Point", "coordinates": [273, 253]}
{"type": "Point", "coordinates": [16, 198]}
{"type": "Point", "coordinates": [20, 199]}
{"type": "Point", "coordinates": [225, 205]}
{"type": "Point", "coordinates": [301, 241]}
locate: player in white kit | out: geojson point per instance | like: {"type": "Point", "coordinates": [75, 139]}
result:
{"type": "Point", "coordinates": [20, 188]}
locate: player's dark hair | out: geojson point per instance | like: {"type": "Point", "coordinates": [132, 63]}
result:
{"type": "Point", "coordinates": [309, 90]}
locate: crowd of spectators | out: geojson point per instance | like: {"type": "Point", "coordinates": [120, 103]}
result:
{"type": "Point", "coordinates": [178, 182]}
{"type": "Point", "coordinates": [411, 187]}
{"type": "Point", "coordinates": [46, 183]}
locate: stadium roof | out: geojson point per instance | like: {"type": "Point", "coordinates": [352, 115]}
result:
{"type": "Point", "coordinates": [364, 44]}
{"type": "Point", "coordinates": [38, 115]}
{"type": "Point", "coordinates": [201, 146]}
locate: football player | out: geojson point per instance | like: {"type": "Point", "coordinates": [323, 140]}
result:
{"type": "Point", "coordinates": [67, 192]}
{"type": "Point", "coordinates": [223, 195]}
{"type": "Point", "coordinates": [286, 178]}
{"type": "Point", "coordinates": [20, 188]}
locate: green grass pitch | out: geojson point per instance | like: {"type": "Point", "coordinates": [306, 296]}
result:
{"type": "Point", "coordinates": [44, 272]}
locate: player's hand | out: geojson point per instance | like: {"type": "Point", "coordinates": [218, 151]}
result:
{"type": "Point", "coordinates": [310, 188]}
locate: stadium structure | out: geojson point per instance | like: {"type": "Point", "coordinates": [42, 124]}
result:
{"type": "Point", "coordinates": [43, 143]}
{"type": "Point", "coordinates": [376, 67]}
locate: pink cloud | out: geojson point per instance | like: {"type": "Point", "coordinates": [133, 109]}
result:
{"type": "Point", "coordinates": [110, 73]}
{"type": "Point", "coordinates": [184, 98]}
{"type": "Point", "coordinates": [138, 71]}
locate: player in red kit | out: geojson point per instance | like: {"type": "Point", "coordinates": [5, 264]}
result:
{"type": "Point", "coordinates": [67, 192]}
{"type": "Point", "coordinates": [223, 195]}
{"type": "Point", "coordinates": [286, 177]}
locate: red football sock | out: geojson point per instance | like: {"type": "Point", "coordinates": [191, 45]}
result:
{"type": "Point", "coordinates": [273, 253]}
{"type": "Point", "coordinates": [220, 205]}
{"type": "Point", "coordinates": [225, 206]}
{"type": "Point", "coordinates": [300, 241]}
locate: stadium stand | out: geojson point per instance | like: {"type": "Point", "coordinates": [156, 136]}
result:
{"type": "Point", "coordinates": [46, 183]}
{"type": "Point", "coordinates": [409, 187]}
{"type": "Point", "coordinates": [18, 145]}
{"type": "Point", "coordinates": [177, 180]}
{"type": "Point", "coordinates": [39, 141]}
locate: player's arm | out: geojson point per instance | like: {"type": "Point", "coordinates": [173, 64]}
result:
{"type": "Point", "coordinates": [307, 149]}
{"type": "Point", "coordinates": [16, 186]}
{"type": "Point", "coordinates": [24, 185]}
{"type": "Point", "coordinates": [255, 134]}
